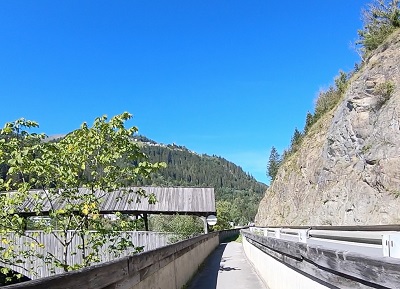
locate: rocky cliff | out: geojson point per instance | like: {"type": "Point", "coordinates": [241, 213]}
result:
{"type": "Point", "coordinates": [347, 170]}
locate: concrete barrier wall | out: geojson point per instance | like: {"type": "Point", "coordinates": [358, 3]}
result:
{"type": "Point", "coordinates": [169, 267]}
{"type": "Point", "coordinates": [287, 264]}
{"type": "Point", "coordinates": [181, 269]}
{"type": "Point", "coordinates": [276, 274]}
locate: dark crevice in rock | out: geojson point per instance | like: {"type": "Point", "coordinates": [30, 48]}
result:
{"type": "Point", "coordinates": [350, 106]}
{"type": "Point", "coordinates": [370, 162]}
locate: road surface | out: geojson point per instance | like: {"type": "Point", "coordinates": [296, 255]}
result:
{"type": "Point", "coordinates": [227, 268]}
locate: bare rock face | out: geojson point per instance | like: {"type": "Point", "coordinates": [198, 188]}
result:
{"type": "Point", "coordinates": [347, 171]}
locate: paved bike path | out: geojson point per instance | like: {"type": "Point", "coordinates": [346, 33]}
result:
{"type": "Point", "coordinates": [227, 268]}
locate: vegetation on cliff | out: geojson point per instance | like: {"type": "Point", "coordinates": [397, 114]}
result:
{"type": "Point", "coordinates": [380, 19]}
{"type": "Point", "coordinates": [342, 169]}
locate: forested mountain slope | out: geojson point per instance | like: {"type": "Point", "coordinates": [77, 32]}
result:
{"type": "Point", "coordinates": [187, 168]}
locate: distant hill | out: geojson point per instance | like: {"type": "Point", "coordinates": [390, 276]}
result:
{"type": "Point", "coordinates": [187, 168]}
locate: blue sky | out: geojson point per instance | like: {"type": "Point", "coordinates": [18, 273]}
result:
{"type": "Point", "coordinates": [222, 77]}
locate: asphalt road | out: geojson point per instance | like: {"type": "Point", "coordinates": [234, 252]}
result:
{"type": "Point", "coordinates": [227, 268]}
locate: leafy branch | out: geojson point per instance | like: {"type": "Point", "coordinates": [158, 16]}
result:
{"type": "Point", "coordinates": [67, 177]}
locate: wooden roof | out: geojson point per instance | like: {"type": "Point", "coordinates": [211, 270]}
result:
{"type": "Point", "coordinates": [170, 200]}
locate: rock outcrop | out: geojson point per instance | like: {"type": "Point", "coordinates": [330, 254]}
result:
{"type": "Point", "coordinates": [347, 170]}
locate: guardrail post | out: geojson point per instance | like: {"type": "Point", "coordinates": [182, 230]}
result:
{"type": "Point", "coordinates": [278, 233]}
{"type": "Point", "coordinates": [303, 236]}
{"type": "Point", "coordinates": [391, 245]}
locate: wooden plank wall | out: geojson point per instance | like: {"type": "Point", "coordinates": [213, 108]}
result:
{"type": "Point", "coordinates": [129, 272]}
{"type": "Point", "coordinates": [150, 241]}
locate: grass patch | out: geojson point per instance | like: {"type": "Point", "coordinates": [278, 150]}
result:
{"type": "Point", "coordinates": [239, 239]}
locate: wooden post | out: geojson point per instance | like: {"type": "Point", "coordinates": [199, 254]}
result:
{"type": "Point", "coordinates": [146, 222]}
{"type": "Point", "coordinates": [25, 223]}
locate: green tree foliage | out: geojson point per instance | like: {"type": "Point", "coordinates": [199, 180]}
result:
{"type": "Point", "coordinates": [310, 120]}
{"type": "Point", "coordinates": [186, 168]}
{"type": "Point", "coordinates": [329, 98]}
{"type": "Point", "coordinates": [245, 203]}
{"type": "Point", "coordinates": [101, 158]}
{"type": "Point", "coordinates": [384, 91]}
{"type": "Point", "coordinates": [326, 101]}
{"type": "Point", "coordinates": [380, 19]}
{"type": "Point", "coordinates": [226, 213]}
{"type": "Point", "coordinates": [274, 163]}
{"type": "Point", "coordinates": [341, 82]}
{"type": "Point", "coordinates": [182, 226]}
{"type": "Point", "coordinates": [296, 140]}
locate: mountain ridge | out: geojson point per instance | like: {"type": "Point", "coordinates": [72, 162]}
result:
{"type": "Point", "coordinates": [186, 168]}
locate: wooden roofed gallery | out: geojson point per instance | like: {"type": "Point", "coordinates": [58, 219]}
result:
{"type": "Point", "coordinates": [169, 200]}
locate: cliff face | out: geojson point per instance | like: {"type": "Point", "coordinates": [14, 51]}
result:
{"type": "Point", "coordinates": [347, 171]}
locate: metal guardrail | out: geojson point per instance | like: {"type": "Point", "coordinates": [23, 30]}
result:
{"type": "Point", "coordinates": [334, 258]}
{"type": "Point", "coordinates": [380, 241]}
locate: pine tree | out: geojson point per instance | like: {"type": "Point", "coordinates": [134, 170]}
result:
{"type": "Point", "coordinates": [273, 163]}
{"type": "Point", "coordinates": [296, 140]}
{"type": "Point", "coordinates": [309, 122]}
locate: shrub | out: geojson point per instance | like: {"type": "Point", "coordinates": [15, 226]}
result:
{"type": "Point", "coordinates": [384, 91]}
{"type": "Point", "coordinates": [380, 20]}
{"type": "Point", "coordinates": [329, 98]}
{"type": "Point", "coordinates": [326, 101]}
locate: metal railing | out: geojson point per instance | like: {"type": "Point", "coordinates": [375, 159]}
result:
{"type": "Point", "coordinates": [337, 257]}
{"type": "Point", "coordinates": [380, 241]}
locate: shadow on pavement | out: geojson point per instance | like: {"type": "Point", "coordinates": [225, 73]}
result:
{"type": "Point", "coordinates": [206, 277]}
